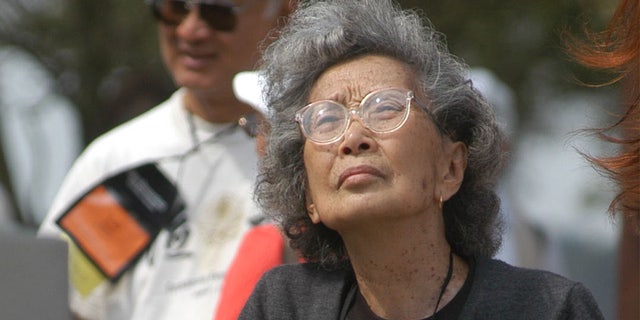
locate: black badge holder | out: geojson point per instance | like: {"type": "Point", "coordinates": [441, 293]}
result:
{"type": "Point", "coordinates": [118, 219]}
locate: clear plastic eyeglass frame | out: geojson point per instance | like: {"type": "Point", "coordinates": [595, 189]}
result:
{"type": "Point", "coordinates": [381, 111]}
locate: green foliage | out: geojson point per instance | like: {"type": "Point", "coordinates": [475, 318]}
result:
{"type": "Point", "coordinates": [519, 40]}
{"type": "Point", "coordinates": [103, 55]}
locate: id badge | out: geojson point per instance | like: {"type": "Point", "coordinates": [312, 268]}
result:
{"type": "Point", "coordinates": [118, 219]}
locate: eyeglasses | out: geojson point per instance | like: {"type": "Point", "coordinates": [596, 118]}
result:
{"type": "Point", "coordinates": [381, 111]}
{"type": "Point", "coordinates": [221, 15]}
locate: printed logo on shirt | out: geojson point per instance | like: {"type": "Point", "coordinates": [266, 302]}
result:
{"type": "Point", "coordinates": [177, 241]}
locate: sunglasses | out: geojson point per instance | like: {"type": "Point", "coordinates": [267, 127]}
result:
{"type": "Point", "coordinates": [221, 15]}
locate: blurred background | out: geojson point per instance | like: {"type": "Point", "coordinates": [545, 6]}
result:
{"type": "Point", "coordinates": [73, 69]}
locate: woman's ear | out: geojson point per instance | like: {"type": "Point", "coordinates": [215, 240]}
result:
{"type": "Point", "coordinates": [313, 213]}
{"type": "Point", "coordinates": [456, 166]}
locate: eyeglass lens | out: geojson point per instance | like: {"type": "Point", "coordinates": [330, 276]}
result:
{"type": "Point", "coordinates": [219, 16]}
{"type": "Point", "coordinates": [381, 111]}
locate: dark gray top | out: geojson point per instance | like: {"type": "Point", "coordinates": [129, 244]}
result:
{"type": "Point", "coordinates": [498, 291]}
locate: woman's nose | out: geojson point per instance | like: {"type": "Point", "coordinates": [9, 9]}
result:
{"type": "Point", "coordinates": [357, 139]}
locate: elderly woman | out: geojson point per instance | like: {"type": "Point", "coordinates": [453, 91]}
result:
{"type": "Point", "coordinates": [380, 168]}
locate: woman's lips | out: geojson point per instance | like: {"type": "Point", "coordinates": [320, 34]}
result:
{"type": "Point", "coordinates": [357, 171]}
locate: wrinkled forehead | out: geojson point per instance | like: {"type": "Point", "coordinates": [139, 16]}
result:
{"type": "Point", "coordinates": [350, 81]}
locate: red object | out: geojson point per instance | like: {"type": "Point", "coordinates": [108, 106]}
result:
{"type": "Point", "coordinates": [262, 248]}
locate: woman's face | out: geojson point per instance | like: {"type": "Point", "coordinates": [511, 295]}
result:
{"type": "Point", "coordinates": [367, 177]}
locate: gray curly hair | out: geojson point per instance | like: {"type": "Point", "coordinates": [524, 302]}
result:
{"type": "Point", "coordinates": [321, 34]}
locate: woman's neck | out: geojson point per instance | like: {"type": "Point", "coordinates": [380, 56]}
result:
{"type": "Point", "coordinates": [400, 274]}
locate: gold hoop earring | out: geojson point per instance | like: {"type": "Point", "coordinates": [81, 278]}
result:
{"type": "Point", "coordinates": [440, 203]}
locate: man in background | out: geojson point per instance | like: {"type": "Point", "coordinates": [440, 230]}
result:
{"type": "Point", "coordinates": [199, 263]}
